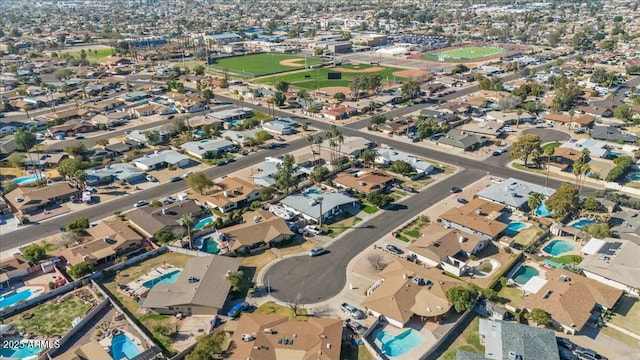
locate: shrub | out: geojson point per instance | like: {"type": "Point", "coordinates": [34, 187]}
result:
{"type": "Point", "coordinates": [51, 285]}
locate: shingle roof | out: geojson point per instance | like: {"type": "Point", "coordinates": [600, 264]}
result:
{"type": "Point", "coordinates": [513, 192]}
{"type": "Point", "coordinates": [270, 227]}
{"type": "Point", "coordinates": [151, 219]}
{"type": "Point", "coordinates": [620, 265]}
{"type": "Point", "coordinates": [307, 204]}
{"type": "Point", "coordinates": [438, 242]}
{"type": "Point", "coordinates": [477, 215]}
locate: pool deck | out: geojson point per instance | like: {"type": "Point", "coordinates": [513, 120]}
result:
{"type": "Point", "coordinates": [577, 246]}
{"type": "Point", "coordinates": [106, 342]}
{"type": "Point", "coordinates": [416, 352]}
{"type": "Point", "coordinates": [542, 272]}
{"type": "Point", "coordinates": [153, 274]}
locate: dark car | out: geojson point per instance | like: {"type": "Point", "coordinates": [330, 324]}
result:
{"type": "Point", "coordinates": [566, 343]}
{"type": "Point", "coordinates": [588, 354]}
{"type": "Point", "coordinates": [79, 137]}
{"type": "Point", "coordinates": [496, 153]}
{"type": "Point", "coordinates": [566, 354]}
{"type": "Point", "coordinates": [455, 190]}
{"type": "Point", "coordinates": [394, 249]}
{"type": "Point", "coordinates": [463, 201]}
{"type": "Point", "coordinates": [409, 189]}
{"type": "Point", "coordinates": [175, 179]}
{"type": "Point", "coordinates": [222, 163]}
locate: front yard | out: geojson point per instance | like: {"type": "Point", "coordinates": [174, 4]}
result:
{"type": "Point", "coordinates": [412, 230]}
{"type": "Point", "coordinates": [627, 314]}
{"type": "Point", "coordinates": [273, 308]}
{"type": "Point", "coordinates": [260, 260]}
{"type": "Point", "coordinates": [337, 228]}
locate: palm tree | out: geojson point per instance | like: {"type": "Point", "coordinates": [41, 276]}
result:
{"type": "Point", "coordinates": [584, 171]}
{"type": "Point", "coordinates": [518, 113]}
{"type": "Point", "coordinates": [369, 156]}
{"type": "Point", "coordinates": [577, 170]}
{"type": "Point", "coordinates": [319, 199]}
{"type": "Point", "coordinates": [340, 140]}
{"type": "Point", "coordinates": [548, 151]}
{"type": "Point", "coordinates": [584, 155]}
{"type": "Point", "coordinates": [535, 199]}
{"type": "Point", "coordinates": [319, 143]}
{"type": "Point", "coordinates": [571, 115]}
{"type": "Point", "coordinates": [187, 220]}
{"type": "Point", "coordinates": [311, 139]}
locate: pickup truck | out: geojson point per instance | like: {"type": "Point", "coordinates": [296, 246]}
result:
{"type": "Point", "coordinates": [352, 311]}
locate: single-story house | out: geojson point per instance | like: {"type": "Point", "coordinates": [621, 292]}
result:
{"type": "Point", "coordinates": [564, 158]}
{"type": "Point", "coordinates": [478, 217]}
{"type": "Point", "coordinates": [8, 144]}
{"type": "Point", "coordinates": [240, 138]}
{"type": "Point", "coordinates": [308, 206]}
{"type": "Point", "coordinates": [387, 156]}
{"type": "Point", "coordinates": [406, 290]}
{"type": "Point", "coordinates": [75, 126]}
{"type": "Point", "coordinates": [510, 118]}
{"type": "Point", "coordinates": [352, 146]}
{"type": "Point", "coordinates": [610, 133]}
{"type": "Point", "coordinates": [490, 128]}
{"type": "Point", "coordinates": [582, 120]}
{"type": "Point", "coordinates": [259, 228]}
{"type": "Point", "coordinates": [366, 182]}
{"type": "Point", "coordinates": [262, 174]}
{"type": "Point", "coordinates": [162, 159]}
{"type": "Point", "coordinates": [164, 134]}
{"type": "Point", "coordinates": [207, 149]}
{"type": "Point", "coordinates": [597, 148]}
{"type": "Point", "coordinates": [398, 127]}
{"type": "Point", "coordinates": [153, 109]}
{"type": "Point", "coordinates": [462, 141]}
{"type": "Point", "coordinates": [339, 112]}
{"type": "Point", "coordinates": [277, 337]}
{"type": "Point", "coordinates": [278, 127]}
{"type": "Point", "coordinates": [604, 112]}
{"type": "Point", "coordinates": [448, 249]}
{"type": "Point", "coordinates": [115, 171]}
{"type": "Point", "coordinates": [109, 240]}
{"type": "Point", "coordinates": [26, 200]}
{"type": "Point", "coordinates": [569, 299]}
{"type": "Point", "coordinates": [66, 115]}
{"type": "Point", "coordinates": [514, 193]}
{"type": "Point", "coordinates": [12, 269]}
{"type": "Point", "coordinates": [233, 192]}
{"type": "Point", "coordinates": [105, 105]}
{"type": "Point", "coordinates": [201, 289]}
{"type": "Point", "coordinates": [613, 262]}
{"type": "Point", "coordinates": [232, 117]}
{"type": "Point", "coordinates": [150, 220]}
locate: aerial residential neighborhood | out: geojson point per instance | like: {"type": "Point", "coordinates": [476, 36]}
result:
{"type": "Point", "coordinates": [336, 180]}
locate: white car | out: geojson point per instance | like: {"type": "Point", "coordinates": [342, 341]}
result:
{"type": "Point", "coordinates": [140, 203]}
{"type": "Point", "coordinates": [313, 229]}
{"type": "Point", "coordinates": [503, 150]}
{"type": "Point", "coordinates": [317, 251]}
{"type": "Point", "coordinates": [187, 174]}
{"type": "Point", "coordinates": [496, 181]}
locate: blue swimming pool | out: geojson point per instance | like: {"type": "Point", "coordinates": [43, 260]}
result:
{"type": "Point", "coordinates": [635, 176]}
{"type": "Point", "coordinates": [27, 179]}
{"type": "Point", "coordinates": [514, 227]}
{"type": "Point", "coordinates": [122, 347]}
{"type": "Point", "coordinates": [524, 274]}
{"type": "Point", "coordinates": [168, 278]}
{"type": "Point", "coordinates": [25, 353]}
{"type": "Point", "coordinates": [396, 345]}
{"type": "Point", "coordinates": [313, 191]}
{"type": "Point", "coordinates": [542, 210]}
{"type": "Point", "coordinates": [210, 246]}
{"type": "Point", "coordinates": [204, 222]}
{"type": "Point", "coordinates": [582, 223]}
{"type": "Point", "coordinates": [557, 247]}
{"type": "Point", "coordinates": [11, 300]}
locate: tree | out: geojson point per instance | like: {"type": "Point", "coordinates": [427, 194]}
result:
{"type": "Point", "coordinates": [164, 236]}
{"type": "Point", "coordinates": [592, 204]}
{"type": "Point", "coordinates": [462, 298]}
{"type": "Point", "coordinates": [80, 269]}
{"type": "Point", "coordinates": [76, 150]}
{"type": "Point", "coordinates": [34, 253]}
{"type": "Point", "coordinates": [410, 89]}
{"type": "Point", "coordinates": [563, 201]}
{"type": "Point", "coordinates": [237, 281]}
{"type": "Point", "coordinates": [207, 347]}
{"type": "Point", "coordinates": [81, 223]}
{"type": "Point", "coordinates": [284, 176]}
{"type": "Point", "coordinates": [623, 164]}
{"type": "Point", "coordinates": [377, 119]}
{"type": "Point", "coordinates": [266, 193]}
{"type": "Point", "coordinates": [199, 182]}
{"type": "Point", "coordinates": [624, 112]}
{"type": "Point", "coordinates": [68, 167]}
{"type": "Point", "coordinates": [401, 167]}
{"type": "Point", "coordinates": [318, 174]}
{"type": "Point", "coordinates": [187, 221]}
{"type": "Point", "coordinates": [354, 87]}
{"type": "Point", "coordinates": [16, 159]}
{"type": "Point", "coordinates": [525, 147]}
{"type": "Point", "coordinates": [459, 69]}
{"type": "Point", "coordinates": [379, 200]}
{"type": "Point", "coordinates": [548, 151]}
{"type": "Point", "coordinates": [599, 231]}
{"type": "Point", "coordinates": [262, 136]}
{"type": "Point", "coordinates": [369, 157]}
{"type": "Point", "coordinates": [539, 316]}
{"type": "Point", "coordinates": [535, 199]}
{"type": "Point", "coordinates": [509, 102]}
{"type": "Point", "coordinates": [25, 140]}
{"type": "Point", "coordinates": [340, 96]}
{"type": "Point", "coordinates": [199, 69]}
{"type": "Point", "coordinates": [377, 261]}
{"type": "Point", "coordinates": [153, 136]}
{"type": "Point", "coordinates": [282, 86]}
{"type": "Point", "coordinates": [279, 98]}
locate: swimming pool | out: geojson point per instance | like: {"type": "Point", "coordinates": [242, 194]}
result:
{"type": "Point", "coordinates": [11, 300]}
{"type": "Point", "coordinates": [396, 345]}
{"type": "Point", "coordinates": [635, 176]}
{"type": "Point", "coordinates": [541, 210]}
{"type": "Point", "coordinates": [557, 247]}
{"type": "Point", "coordinates": [209, 245]}
{"type": "Point", "coordinates": [514, 227]}
{"type": "Point", "coordinates": [27, 352]}
{"type": "Point", "coordinates": [168, 278]}
{"type": "Point", "coordinates": [204, 222]}
{"type": "Point", "coordinates": [582, 223]}
{"type": "Point", "coordinates": [313, 191]}
{"type": "Point", "coordinates": [122, 347]}
{"type": "Point", "coordinates": [524, 274]}
{"type": "Point", "coordinates": [27, 179]}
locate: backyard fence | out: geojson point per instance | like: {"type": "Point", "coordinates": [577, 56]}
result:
{"type": "Point", "coordinates": [189, 252]}
{"type": "Point", "coordinates": [456, 329]}
{"type": "Point", "coordinates": [21, 306]}
{"type": "Point", "coordinates": [133, 261]}
{"type": "Point", "coordinates": [618, 187]}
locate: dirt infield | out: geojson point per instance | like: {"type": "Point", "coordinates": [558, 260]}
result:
{"type": "Point", "coordinates": [332, 90]}
{"type": "Point", "coordinates": [367, 70]}
{"type": "Point", "coordinates": [412, 73]}
{"type": "Point", "coordinates": [292, 62]}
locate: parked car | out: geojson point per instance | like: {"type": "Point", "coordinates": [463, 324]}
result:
{"type": "Point", "coordinates": [238, 308]}
{"type": "Point", "coordinates": [79, 137]}
{"type": "Point", "coordinates": [463, 201]}
{"type": "Point", "coordinates": [496, 153]}
{"type": "Point", "coordinates": [455, 189]}
{"type": "Point", "coordinates": [503, 150]}
{"type": "Point", "coordinates": [394, 249]}
{"type": "Point", "coordinates": [588, 354]}
{"type": "Point", "coordinates": [566, 343]}
{"type": "Point", "coordinates": [175, 179]}
{"type": "Point", "coordinates": [409, 189]}
{"type": "Point", "coordinates": [313, 229]}
{"type": "Point", "coordinates": [496, 181]}
{"type": "Point", "coordinates": [317, 251]}
{"type": "Point", "coordinates": [566, 354]}
{"type": "Point", "coordinates": [356, 327]}
{"type": "Point", "coordinates": [352, 311]}
{"type": "Point", "coordinates": [140, 203]}
{"type": "Point", "coordinates": [187, 174]}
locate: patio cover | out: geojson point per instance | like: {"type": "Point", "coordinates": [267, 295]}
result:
{"type": "Point", "coordinates": [593, 246]}
{"type": "Point", "coordinates": [534, 285]}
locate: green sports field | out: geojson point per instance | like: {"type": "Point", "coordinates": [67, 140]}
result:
{"type": "Point", "coordinates": [465, 53]}
{"type": "Point", "coordinates": [317, 79]}
{"type": "Point", "coordinates": [263, 64]}
{"type": "Point", "coordinates": [97, 54]}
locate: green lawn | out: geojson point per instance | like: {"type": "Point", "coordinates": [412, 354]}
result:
{"type": "Point", "coordinates": [567, 259]}
{"type": "Point", "coordinates": [317, 79]}
{"type": "Point", "coordinates": [98, 54]}
{"type": "Point", "coordinates": [469, 341]}
{"type": "Point", "coordinates": [626, 314]}
{"type": "Point", "coordinates": [370, 209]}
{"type": "Point", "coordinates": [273, 308]}
{"type": "Point", "coordinates": [512, 296]}
{"type": "Point", "coordinates": [263, 64]}
{"type": "Point", "coordinates": [552, 145]}
{"type": "Point", "coordinates": [50, 319]}
{"type": "Point", "coordinates": [465, 53]}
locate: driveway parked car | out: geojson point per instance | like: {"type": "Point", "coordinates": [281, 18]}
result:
{"type": "Point", "coordinates": [238, 308]}
{"type": "Point", "coordinates": [394, 249]}
{"type": "Point", "coordinates": [566, 343]}
{"type": "Point", "coordinates": [588, 354]}
{"type": "Point", "coordinates": [313, 229]}
{"type": "Point", "coordinates": [463, 201]}
{"type": "Point", "coordinates": [356, 327]}
{"type": "Point", "coordinates": [352, 311]}
{"type": "Point", "coordinates": [175, 179]}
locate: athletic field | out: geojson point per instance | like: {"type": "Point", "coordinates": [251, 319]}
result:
{"type": "Point", "coordinates": [466, 53]}
{"type": "Point", "coordinates": [317, 78]}
{"type": "Point", "coordinates": [263, 64]}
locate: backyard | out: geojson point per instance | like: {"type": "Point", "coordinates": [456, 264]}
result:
{"type": "Point", "coordinates": [527, 236]}
{"type": "Point", "coordinates": [263, 64]}
{"type": "Point", "coordinates": [511, 295]}
{"type": "Point", "coordinates": [469, 341]}
{"type": "Point", "coordinates": [50, 318]}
